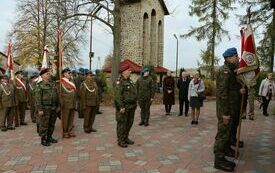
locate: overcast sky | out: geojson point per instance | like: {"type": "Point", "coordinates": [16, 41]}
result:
{"type": "Point", "coordinates": [178, 22]}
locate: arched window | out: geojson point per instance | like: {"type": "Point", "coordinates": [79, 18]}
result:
{"type": "Point", "coordinates": [153, 38]}
{"type": "Point", "coordinates": [146, 50]}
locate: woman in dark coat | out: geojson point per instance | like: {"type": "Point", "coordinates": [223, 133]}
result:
{"type": "Point", "coordinates": [168, 92]}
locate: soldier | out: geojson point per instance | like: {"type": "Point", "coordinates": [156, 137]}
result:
{"type": "Point", "coordinates": [78, 81]}
{"type": "Point", "coordinates": [7, 100]}
{"type": "Point", "coordinates": [47, 107]}
{"type": "Point", "coordinates": [88, 101]}
{"type": "Point", "coordinates": [145, 93]}
{"type": "Point", "coordinates": [101, 84]}
{"type": "Point", "coordinates": [125, 105]}
{"type": "Point", "coordinates": [68, 94]}
{"type": "Point", "coordinates": [31, 98]}
{"type": "Point", "coordinates": [228, 108]}
{"type": "Point", "coordinates": [21, 95]}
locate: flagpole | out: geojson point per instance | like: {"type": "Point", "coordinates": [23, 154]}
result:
{"type": "Point", "coordinates": [60, 74]}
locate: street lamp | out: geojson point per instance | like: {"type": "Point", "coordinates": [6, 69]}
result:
{"type": "Point", "coordinates": [177, 55]}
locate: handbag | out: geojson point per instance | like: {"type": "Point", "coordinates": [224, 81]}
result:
{"type": "Point", "coordinates": [201, 95]}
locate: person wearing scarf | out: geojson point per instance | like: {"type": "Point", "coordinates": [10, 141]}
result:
{"type": "Point", "coordinates": [68, 102]}
{"type": "Point", "coordinates": [88, 102]}
{"type": "Point", "coordinates": [21, 96]}
{"type": "Point", "coordinates": [7, 104]}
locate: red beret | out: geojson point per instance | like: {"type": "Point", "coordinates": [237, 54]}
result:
{"type": "Point", "coordinates": [123, 67]}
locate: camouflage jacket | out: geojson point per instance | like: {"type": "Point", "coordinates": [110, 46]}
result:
{"type": "Point", "coordinates": [125, 94]}
{"type": "Point", "coordinates": [228, 92]}
{"type": "Point", "coordinates": [46, 95]}
{"type": "Point", "coordinates": [145, 88]}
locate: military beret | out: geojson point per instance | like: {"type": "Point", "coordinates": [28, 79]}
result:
{"type": "Point", "coordinates": [230, 52]}
{"type": "Point", "coordinates": [44, 71]}
{"type": "Point", "coordinates": [123, 67]}
{"type": "Point", "coordinates": [81, 70]}
{"type": "Point", "coordinates": [65, 70]}
{"type": "Point", "coordinates": [146, 69]}
{"type": "Point", "coordinates": [97, 71]}
{"type": "Point", "coordinates": [18, 72]}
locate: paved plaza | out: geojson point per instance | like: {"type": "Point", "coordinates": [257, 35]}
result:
{"type": "Point", "coordinates": [169, 145]}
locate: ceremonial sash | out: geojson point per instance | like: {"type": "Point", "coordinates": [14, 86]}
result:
{"type": "Point", "coordinates": [68, 83]}
{"type": "Point", "coordinates": [21, 84]}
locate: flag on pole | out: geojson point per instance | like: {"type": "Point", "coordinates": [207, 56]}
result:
{"type": "Point", "coordinates": [9, 70]}
{"type": "Point", "coordinates": [249, 64]}
{"type": "Point", "coordinates": [45, 60]}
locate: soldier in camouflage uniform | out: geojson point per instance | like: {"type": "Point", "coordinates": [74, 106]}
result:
{"type": "Point", "coordinates": [88, 100]}
{"type": "Point", "coordinates": [78, 81]}
{"type": "Point", "coordinates": [68, 97]}
{"type": "Point", "coordinates": [145, 92]}
{"type": "Point", "coordinates": [125, 105]}
{"type": "Point", "coordinates": [21, 95]}
{"type": "Point", "coordinates": [101, 84]}
{"type": "Point", "coordinates": [47, 107]}
{"type": "Point", "coordinates": [228, 108]}
{"type": "Point", "coordinates": [31, 98]}
{"type": "Point", "coordinates": [8, 103]}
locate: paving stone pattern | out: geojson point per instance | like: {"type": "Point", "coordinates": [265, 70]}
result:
{"type": "Point", "coordinates": [169, 145]}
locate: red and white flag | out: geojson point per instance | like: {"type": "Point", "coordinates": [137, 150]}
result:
{"type": "Point", "coordinates": [45, 60]}
{"type": "Point", "coordinates": [249, 64]}
{"type": "Point", "coordinates": [10, 62]}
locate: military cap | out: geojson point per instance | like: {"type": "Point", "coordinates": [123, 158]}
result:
{"type": "Point", "coordinates": [65, 70]}
{"type": "Point", "coordinates": [81, 70]}
{"type": "Point", "coordinates": [146, 69]}
{"type": "Point", "coordinates": [18, 72]}
{"type": "Point", "coordinates": [230, 52]}
{"type": "Point", "coordinates": [97, 71]}
{"type": "Point", "coordinates": [123, 67]}
{"type": "Point", "coordinates": [44, 71]}
{"type": "Point", "coordinates": [86, 71]}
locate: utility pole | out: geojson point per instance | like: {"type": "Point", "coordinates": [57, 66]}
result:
{"type": "Point", "coordinates": [91, 53]}
{"type": "Point", "coordinates": [177, 54]}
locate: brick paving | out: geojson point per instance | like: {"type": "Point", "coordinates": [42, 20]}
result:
{"type": "Point", "coordinates": [169, 145]}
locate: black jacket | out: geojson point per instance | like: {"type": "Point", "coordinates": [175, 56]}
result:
{"type": "Point", "coordinates": [183, 88]}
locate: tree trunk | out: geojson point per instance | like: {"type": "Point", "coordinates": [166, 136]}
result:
{"type": "Point", "coordinates": [272, 49]}
{"type": "Point", "coordinates": [213, 40]}
{"type": "Point", "coordinates": [116, 41]}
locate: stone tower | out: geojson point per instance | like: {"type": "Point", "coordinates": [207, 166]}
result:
{"type": "Point", "coordinates": [143, 31]}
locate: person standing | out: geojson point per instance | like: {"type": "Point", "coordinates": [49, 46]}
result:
{"type": "Point", "coordinates": [88, 101]}
{"type": "Point", "coordinates": [183, 85]}
{"type": "Point", "coordinates": [266, 91]}
{"type": "Point", "coordinates": [145, 93]}
{"type": "Point", "coordinates": [68, 97]}
{"type": "Point", "coordinates": [195, 91]}
{"type": "Point", "coordinates": [168, 92]}
{"type": "Point", "coordinates": [31, 98]}
{"type": "Point", "coordinates": [78, 81]}
{"type": "Point", "coordinates": [21, 96]}
{"type": "Point", "coordinates": [8, 103]}
{"type": "Point", "coordinates": [125, 102]}
{"type": "Point", "coordinates": [228, 102]}
{"type": "Point", "coordinates": [101, 84]}
{"type": "Point", "coordinates": [47, 105]}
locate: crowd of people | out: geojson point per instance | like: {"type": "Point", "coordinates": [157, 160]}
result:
{"type": "Point", "coordinates": [82, 92]}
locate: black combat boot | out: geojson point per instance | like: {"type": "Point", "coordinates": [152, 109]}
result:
{"type": "Point", "coordinates": [129, 141]}
{"type": "Point", "coordinates": [44, 142]}
{"type": "Point", "coordinates": [123, 145]}
{"type": "Point", "coordinates": [224, 165]}
{"type": "Point", "coordinates": [50, 139]}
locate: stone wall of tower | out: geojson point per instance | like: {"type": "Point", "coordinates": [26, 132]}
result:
{"type": "Point", "coordinates": [141, 37]}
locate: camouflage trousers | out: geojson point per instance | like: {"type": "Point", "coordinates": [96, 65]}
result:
{"type": "Point", "coordinates": [20, 114]}
{"type": "Point", "coordinates": [47, 122]}
{"type": "Point", "coordinates": [222, 140]}
{"type": "Point", "coordinates": [32, 111]}
{"type": "Point", "coordinates": [124, 124]}
{"type": "Point", "coordinates": [145, 110]}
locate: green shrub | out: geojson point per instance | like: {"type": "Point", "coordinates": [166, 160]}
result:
{"type": "Point", "coordinates": [210, 87]}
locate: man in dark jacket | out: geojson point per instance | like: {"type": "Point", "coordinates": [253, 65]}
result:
{"type": "Point", "coordinates": [183, 84]}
